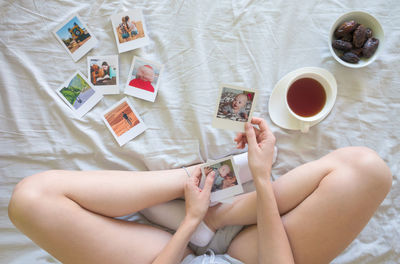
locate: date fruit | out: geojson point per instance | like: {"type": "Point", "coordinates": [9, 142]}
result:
{"type": "Point", "coordinates": [358, 51]}
{"type": "Point", "coordinates": [350, 57]}
{"type": "Point", "coordinates": [359, 36]}
{"type": "Point", "coordinates": [353, 41]}
{"type": "Point", "coordinates": [348, 37]}
{"type": "Point", "coordinates": [370, 47]}
{"type": "Point", "coordinates": [346, 28]}
{"type": "Point", "coordinates": [342, 45]}
{"type": "Point", "coordinates": [368, 32]}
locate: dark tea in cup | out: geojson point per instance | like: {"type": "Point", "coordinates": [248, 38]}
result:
{"type": "Point", "coordinates": [306, 97]}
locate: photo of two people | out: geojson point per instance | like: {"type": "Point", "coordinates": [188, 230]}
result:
{"type": "Point", "coordinates": [129, 29]}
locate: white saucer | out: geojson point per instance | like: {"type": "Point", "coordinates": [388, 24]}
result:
{"type": "Point", "coordinates": [278, 111]}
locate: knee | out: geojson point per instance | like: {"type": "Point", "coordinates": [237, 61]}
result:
{"type": "Point", "coordinates": [367, 164]}
{"type": "Point", "coordinates": [26, 196]}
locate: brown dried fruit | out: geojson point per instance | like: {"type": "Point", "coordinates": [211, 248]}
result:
{"type": "Point", "coordinates": [342, 45]}
{"type": "Point", "coordinates": [350, 57]}
{"type": "Point", "coordinates": [359, 36]}
{"type": "Point", "coordinates": [345, 28]}
{"type": "Point", "coordinates": [368, 33]}
{"type": "Point", "coordinates": [348, 37]}
{"type": "Point", "coordinates": [358, 51]}
{"type": "Point", "coordinates": [370, 47]}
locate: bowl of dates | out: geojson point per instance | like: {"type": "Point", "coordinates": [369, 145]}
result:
{"type": "Point", "coordinates": [356, 39]}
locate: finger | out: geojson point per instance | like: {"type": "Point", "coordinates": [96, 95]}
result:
{"type": "Point", "coordinates": [209, 182]}
{"type": "Point", "coordinates": [250, 135]}
{"type": "Point", "coordinates": [238, 137]}
{"type": "Point", "coordinates": [262, 124]}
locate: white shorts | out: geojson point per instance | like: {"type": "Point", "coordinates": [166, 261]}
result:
{"type": "Point", "coordinates": [210, 258]}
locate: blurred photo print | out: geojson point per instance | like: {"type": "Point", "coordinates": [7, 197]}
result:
{"type": "Point", "coordinates": [226, 181]}
{"type": "Point", "coordinates": [75, 37]}
{"type": "Point", "coordinates": [129, 30]}
{"type": "Point", "coordinates": [143, 80]}
{"type": "Point", "coordinates": [234, 107]}
{"type": "Point", "coordinates": [123, 121]}
{"type": "Point", "coordinates": [103, 73]}
{"type": "Point", "coordinates": [79, 94]}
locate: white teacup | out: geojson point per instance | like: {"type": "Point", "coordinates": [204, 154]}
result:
{"type": "Point", "coordinates": [305, 121]}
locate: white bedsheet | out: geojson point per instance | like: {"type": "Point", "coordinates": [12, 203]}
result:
{"type": "Point", "coordinates": [202, 43]}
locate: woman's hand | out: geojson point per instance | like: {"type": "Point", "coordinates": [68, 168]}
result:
{"type": "Point", "coordinates": [261, 144]}
{"type": "Point", "coordinates": [198, 200]}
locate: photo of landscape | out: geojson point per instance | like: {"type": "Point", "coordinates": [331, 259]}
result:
{"type": "Point", "coordinates": [77, 92]}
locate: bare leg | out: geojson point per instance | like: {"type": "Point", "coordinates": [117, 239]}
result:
{"type": "Point", "coordinates": [324, 205]}
{"type": "Point", "coordinates": [69, 214]}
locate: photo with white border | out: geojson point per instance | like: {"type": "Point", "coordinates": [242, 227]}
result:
{"type": "Point", "coordinates": [130, 30]}
{"type": "Point", "coordinates": [225, 170]}
{"type": "Point", "coordinates": [143, 79]}
{"type": "Point", "coordinates": [234, 107]}
{"type": "Point", "coordinates": [75, 37]}
{"type": "Point", "coordinates": [123, 121]}
{"type": "Point", "coordinates": [103, 73]}
{"type": "Point", "coordinates": [79, 94]}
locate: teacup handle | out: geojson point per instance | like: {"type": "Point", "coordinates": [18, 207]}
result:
{"type": "Point", "coordinates": [304, 126]}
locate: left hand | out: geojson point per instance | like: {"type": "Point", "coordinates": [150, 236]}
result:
{"type": "Point", "coordinates": [198, 200]}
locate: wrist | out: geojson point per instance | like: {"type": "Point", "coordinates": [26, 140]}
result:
{"type": "Point", "coordinates": [191, 221]}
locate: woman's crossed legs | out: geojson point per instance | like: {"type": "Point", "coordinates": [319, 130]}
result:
{"type": "Point", "coordinates": [324, 205]}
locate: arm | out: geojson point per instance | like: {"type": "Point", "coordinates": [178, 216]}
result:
{"type": "Point", "coordinates": [273, 243]}
{"type": "Point", "coordinates": [197, 203]}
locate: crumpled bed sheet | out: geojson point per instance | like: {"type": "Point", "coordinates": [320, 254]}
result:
{"type": "Point", "coordinates": [247, 43]}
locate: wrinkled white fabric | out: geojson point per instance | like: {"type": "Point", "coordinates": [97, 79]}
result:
{"type": "Point", "coordinates": [249, 43]}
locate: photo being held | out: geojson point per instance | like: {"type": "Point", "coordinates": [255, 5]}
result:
{"type": "Point", "coordinates": [237, 107]}
{"type": "Point", "coordinates": [224, 177]}
{"type": "Point", "coordinates": [235, 104]}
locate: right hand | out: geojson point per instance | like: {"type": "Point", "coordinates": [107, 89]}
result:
{"type": "Point", "coordinates": [261, 144]}
{"type": "Point", "coordinates": [197, 200]}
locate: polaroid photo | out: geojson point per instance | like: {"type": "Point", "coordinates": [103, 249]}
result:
{"type": "Point", "coordinates": [103, 73]}
{"type": "Point", "coordinates": [227, 182]}
{"type": "Point", "coordinates": [234, 107]}
{"type": "Point", "coordinates": [144, 78]}
{"type": "Point", "coordinates": [75, 37]}
{"type": "Point", "coordinates": [129, 30]}
{"type": "Point", "coordinates": [123, 121]}
{"type": "Point", "coordinates": [79, 94]}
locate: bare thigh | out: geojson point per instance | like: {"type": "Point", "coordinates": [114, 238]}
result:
{"type": "Point", "coordinates": [81, 232]}
{"type": "Point", "coordinates": [335, 198]}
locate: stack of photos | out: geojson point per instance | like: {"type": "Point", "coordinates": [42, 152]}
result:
{"type": "Point", "coordinates": [79, 94]}
{"type": "Point", "coordinates": [226, 184]}
{"type": "Point", "coordinates": [143, 79]}
{"type": "Point", "coordinates": [103, 73]}
{"type": "Point", "coordinates": [123, 121]}
{"type": "Point", "coordinates": [75, 37]}
{"type": "Point", "coordinates": [129, 30]}
{"type": "Point", "coordinates": [234, 107]}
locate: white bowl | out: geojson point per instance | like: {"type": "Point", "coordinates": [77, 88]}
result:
{"type": "Point", "coordinates": [369, 22]}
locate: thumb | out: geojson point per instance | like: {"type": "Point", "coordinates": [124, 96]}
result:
{"type": "Point", "coordinates": [250, 135]}
{"type": "Point", "coordinates": [209, 182]}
